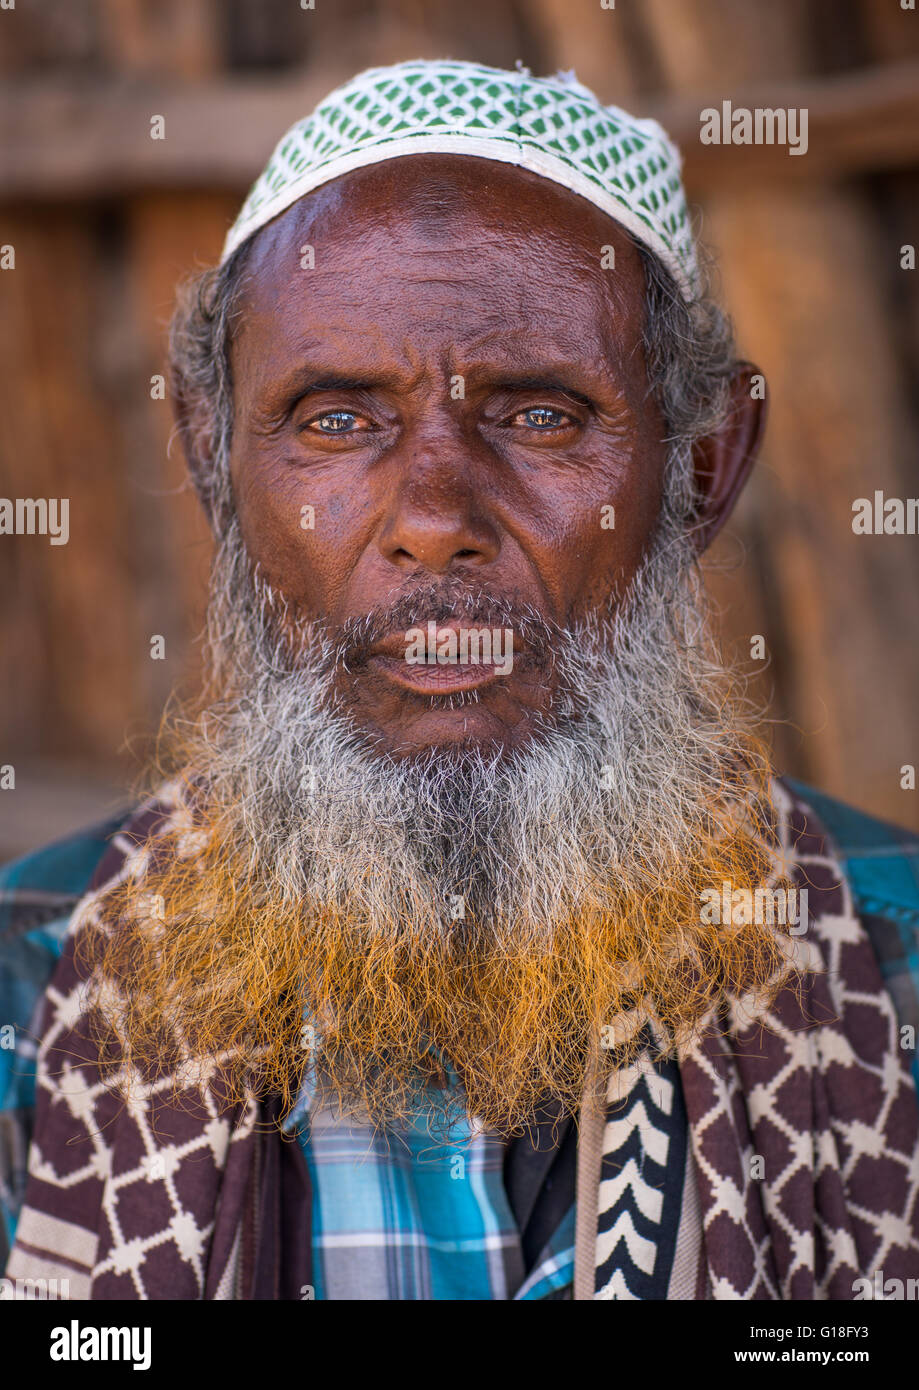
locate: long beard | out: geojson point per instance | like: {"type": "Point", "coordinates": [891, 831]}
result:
{"type": "Point", "coordinates": [315, 905]}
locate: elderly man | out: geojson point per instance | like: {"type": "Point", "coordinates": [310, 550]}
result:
{"type": "Point", "coordinates": [466, 946]}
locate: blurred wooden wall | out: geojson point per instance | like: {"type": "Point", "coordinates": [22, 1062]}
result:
{"type": "Point", "coordinates": [104, 221]}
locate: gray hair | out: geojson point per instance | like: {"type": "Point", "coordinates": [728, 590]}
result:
{"type": "Point", "coordinates": [689, 350]}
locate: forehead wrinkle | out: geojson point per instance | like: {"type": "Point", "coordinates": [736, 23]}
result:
{"type": "Point", "coordinates": [512, 351]}
{"type": "Point", "coordinates": [572, 340]}
{"type": "Point", "coordinates": [484, 319]}
{"type": "Point", "coordinates": [591, 311]}
{"type": "Point", "coordinates": [352, 246]}
{"type": "Point", "coordinates": [482, 353]}
{"type": "Point", "coordinates": [589, 300]}
{"type": "Point", "coordinates": [538, 255]}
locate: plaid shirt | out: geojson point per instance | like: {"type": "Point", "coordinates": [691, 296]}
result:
{"type": "Point", "coordinates": [419, 1232]}
{"type": "Point", "coordinates": [404, 1214]}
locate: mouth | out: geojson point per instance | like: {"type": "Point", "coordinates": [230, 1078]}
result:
{"type": "Point", "coordinates": [435, 680]}
{"type": "Point", "coordinates": [435, 673]}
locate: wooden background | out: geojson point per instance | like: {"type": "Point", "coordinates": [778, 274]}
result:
{"type": "Point", "coordinates": [104, 221]}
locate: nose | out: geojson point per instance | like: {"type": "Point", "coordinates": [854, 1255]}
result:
{"type": "Point", "coordinates": [435, 518]}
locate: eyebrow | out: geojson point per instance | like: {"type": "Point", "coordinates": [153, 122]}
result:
{"type": "Point", "coordinates": [310, 381]}
{"type": "Point", "coordinates": [537, 382]}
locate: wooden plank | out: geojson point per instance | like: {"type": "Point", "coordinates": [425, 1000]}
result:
{"type": "Point", "coordinates": [168, 235]}
{"type": "Point", "coordinates": [846, 607]}
{"type": "Point", "coordinates": [173, 37]}
{"type": "Point", "coordinates": [701, 43]}
{"type": "Point", "coordinates": [599, 47]}
{"type": "Point", "coordinates": [891, 32]}
{"type": "Point", "coordinates": [75, 140]}
{"type": "Point", "coordinates": [807, 268]}
{"type": "Point", "coordinates": [858, 123]}
{"type": "Point", "coordinates": [72, 647]}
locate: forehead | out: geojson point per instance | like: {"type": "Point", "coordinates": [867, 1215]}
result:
{"type": "Point", "coordinates": [457, 255]}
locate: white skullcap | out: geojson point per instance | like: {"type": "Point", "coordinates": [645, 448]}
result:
{"type": "Point", "coordinates": [552, 126]}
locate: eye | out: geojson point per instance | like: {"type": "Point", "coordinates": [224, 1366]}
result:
{"type": "Point", "coordinates": [543, 417]}
{"type": "Point", "coordinates": [334, 422]}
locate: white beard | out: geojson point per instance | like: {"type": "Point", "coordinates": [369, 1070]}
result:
{"type": "Point", "coordinates": [611, 792]}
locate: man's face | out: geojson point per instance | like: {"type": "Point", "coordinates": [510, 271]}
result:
{"type": "Point", "coordinates": [458, 390]}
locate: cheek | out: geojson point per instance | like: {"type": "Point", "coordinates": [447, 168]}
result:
{"type": "Point", "coordinates": [296, 528]}
{"type": "Point", "coordinates": [602, 528]}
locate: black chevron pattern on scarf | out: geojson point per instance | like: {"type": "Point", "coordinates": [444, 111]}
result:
{"type": "Point", "coordinates": [641, 1185]}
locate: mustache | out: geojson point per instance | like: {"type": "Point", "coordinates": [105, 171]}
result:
{"type": "Point", "coordinates": [537, 639]}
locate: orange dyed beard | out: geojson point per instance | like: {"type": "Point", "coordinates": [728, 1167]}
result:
{"type": "Point", "coordinates": [520, 1021]}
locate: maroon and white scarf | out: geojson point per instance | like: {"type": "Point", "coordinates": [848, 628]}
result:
{"type": "Point", "coordinates": [802, 1173]}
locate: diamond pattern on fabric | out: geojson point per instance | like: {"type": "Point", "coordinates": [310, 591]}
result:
{"type": "Point", "coordinates": [818, 1088]}
{"type": "Point", "coordinates": [147, 1175]}
{"type": "Point", "coordinates": [554, 127]}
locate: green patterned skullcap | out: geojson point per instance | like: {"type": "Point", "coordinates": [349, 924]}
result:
{"type": "Point", "coordinates": [552, 126]}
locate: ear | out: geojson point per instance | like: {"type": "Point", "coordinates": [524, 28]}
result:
{"type": "Point", "coordinates": [723, 460]}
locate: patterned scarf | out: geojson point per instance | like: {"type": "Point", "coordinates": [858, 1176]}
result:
{"type": "Point", "coordinates": [802, 1166]}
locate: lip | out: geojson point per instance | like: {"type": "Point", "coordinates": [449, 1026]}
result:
{"type": "Point", "coordinates": [434, 680]}
{"type": "Point", "coordinates": [388, 657]}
